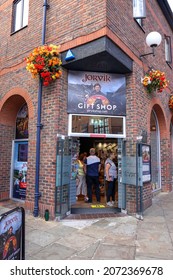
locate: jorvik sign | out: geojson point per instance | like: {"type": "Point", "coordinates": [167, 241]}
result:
{"type": "Point", "coordinates": [96, 93]}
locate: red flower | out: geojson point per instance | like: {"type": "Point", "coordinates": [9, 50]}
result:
{"type": "Point", "coordinates": [45, 83]}
{"type": "Point", "coordinates": [39, 66]}
{"type": "Point", "coordinates": [44, 62]}
{"type": "Point", "coordinates": [45, 74]}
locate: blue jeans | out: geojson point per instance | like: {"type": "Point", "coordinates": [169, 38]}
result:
{"type": "Point", "coordinates": [93, 180]}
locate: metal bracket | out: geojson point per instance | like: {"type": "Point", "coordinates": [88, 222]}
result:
{"type": "Point", "coordinates": [40, 125]}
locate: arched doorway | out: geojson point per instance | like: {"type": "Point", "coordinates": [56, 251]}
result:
{"type": "Point", "coordinates": [155, 152]}
{"type": "Point", "coordinates": [10, 105]}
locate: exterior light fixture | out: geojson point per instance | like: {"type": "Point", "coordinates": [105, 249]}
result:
{"type": "Point", "coordinates": [153, 40]}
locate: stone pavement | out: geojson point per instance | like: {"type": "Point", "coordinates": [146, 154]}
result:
{"type": "Point", "coordinates": [122, 237]}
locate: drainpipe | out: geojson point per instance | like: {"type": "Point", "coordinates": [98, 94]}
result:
{"type": "Point", "coordinates": [39, 125]}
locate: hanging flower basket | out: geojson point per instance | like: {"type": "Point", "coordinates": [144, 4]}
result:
{"type": "Point", "coordinates": [154, 80]}
{"type": "Point", "coordinates": [44, 62]}
{"type": "Point", "coordinates": [170, 103]}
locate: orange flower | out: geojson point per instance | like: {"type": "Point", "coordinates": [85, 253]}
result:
{"type": "Point", "coordinates": [170, 103]}
{"type": "Point", "coordinates": [154, 80]}
{"type": "Point", "coordinates": [44, 62]}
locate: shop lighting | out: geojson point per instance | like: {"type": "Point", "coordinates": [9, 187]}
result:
{"type": "Point", "coordinates": [153, 40]}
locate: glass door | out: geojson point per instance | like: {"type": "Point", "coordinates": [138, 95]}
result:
{"type": "Point", "coordinates": [19, 169]}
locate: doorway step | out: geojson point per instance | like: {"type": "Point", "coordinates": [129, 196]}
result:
{"type": "Point", "coordinates": [95, 209]}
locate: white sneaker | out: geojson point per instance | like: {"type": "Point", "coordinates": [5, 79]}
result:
{"type": "Point", "coordinates": [109, 204]}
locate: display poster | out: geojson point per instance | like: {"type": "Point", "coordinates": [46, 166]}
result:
{"type": "Point", "coordinates": [96, 93]}
{"type": "Point", "coordinates": [12, 235]}
{"type": "Point", "coordinates": [146, 163]}
{"type": "Point", "coordinates": [22, 123]}
{"type": "Point", "coordinates": [20, 169]}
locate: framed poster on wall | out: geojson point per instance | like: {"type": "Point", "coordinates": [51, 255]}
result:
{"type": "Point", "coordinates": [146, 162]}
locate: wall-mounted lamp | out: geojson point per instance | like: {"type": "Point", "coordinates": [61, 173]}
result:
{"type": "Point", "coordinates": [153, 40]}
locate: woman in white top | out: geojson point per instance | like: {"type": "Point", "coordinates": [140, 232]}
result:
{"type": "Point", "coordinates": [111, 176]}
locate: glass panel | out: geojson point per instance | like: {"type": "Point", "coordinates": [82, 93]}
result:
{"type": "Point", "coordinates": [18, 16]}
{"type": "Point", "coordinates": [22, 152]}
{"type": "Point", "coordinates": [155, 150]}
{"type": "Point", "coordinates": [171, 134]}
{"type": "Point", "coordinates": [97, 124]}
{"type": "Point", "coordinates": [22, 123]}
{"type": "Point", "coordinates": [67, 153]}
{"type": "Point", "coordinates": [168, 55]}
{"type": "Point", "coordinates": [129, 170]}
{"type": "Point", "coordinates": [20, 169]}
{"type": "Point", "coordinates": [21, 10]}
{"type": "Point", "coordinates": [139, 9]}
{"type": "Point", "coordinates": [25, 12]}
{"type": "Point", "coordinates": [139, 21]}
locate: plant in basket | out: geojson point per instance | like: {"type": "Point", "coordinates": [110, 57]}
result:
{"type": "Point", "coordinates": [44, 62]}
{"type": "Point", "coordinates": [154, 80]}
{"type": "Point", "coordinates": [170, 103]}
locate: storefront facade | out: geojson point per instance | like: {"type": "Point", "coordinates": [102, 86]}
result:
{"type": "Point", "coordinates": [99, 101]}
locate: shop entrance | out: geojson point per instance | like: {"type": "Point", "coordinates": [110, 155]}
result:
{"type": "Point", "coordinates": [102, 146]}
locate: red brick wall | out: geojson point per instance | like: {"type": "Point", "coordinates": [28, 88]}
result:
{"type": "Point", "coordinates": [72, 24]}
{"type": "Point", "coordinates": [6, 136]}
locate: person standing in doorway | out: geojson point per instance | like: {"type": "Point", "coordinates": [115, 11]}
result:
{"type": "Point", "coordinates": [92, 169]}
{"type": "Point", "coordinates": [111, 176]}
{"type": "Point", "coordinates": [81, 186]}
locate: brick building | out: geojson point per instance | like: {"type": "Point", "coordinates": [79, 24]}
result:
{"type": "Point", "coordinates": [100, 41]}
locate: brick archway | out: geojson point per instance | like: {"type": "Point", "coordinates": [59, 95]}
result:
{"type": "Point", "coordinates": [8, 110]}
{"type": "Point", "coordinates": [163, 123]}
{"type": "Point", "coordinates": [9, 107]}
{"type": "Point", "coordinates": [164, 144]}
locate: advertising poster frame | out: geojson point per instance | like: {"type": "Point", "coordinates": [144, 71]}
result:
{"type": "Point", "coordinates": [146, 162]}
{"type": "Point", "coordinates": [96, 93]}
{"type": "Point", "coordinates": [12, 234]}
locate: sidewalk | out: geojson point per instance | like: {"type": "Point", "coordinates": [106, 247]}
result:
{"type": "Point", "coordinates": [121, 237]}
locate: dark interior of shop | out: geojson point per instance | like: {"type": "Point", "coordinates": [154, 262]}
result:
{"type": "Point", "coordinates": [102, 146]}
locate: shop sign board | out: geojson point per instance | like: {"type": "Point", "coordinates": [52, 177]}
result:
{"type": "Point", "coordinates": [96, 93]}
{"type": "Point", "coordinates": [12, 234]}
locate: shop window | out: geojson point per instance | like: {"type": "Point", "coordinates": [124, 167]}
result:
{"type": "Point", "coordinates": [92, 125]}
{"type": "Point", "coordinates": [100, 126]}
{"type": "Point", "coordinates": [168, 53]}
{"type": "Point", "coordinates": [20, 14]}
